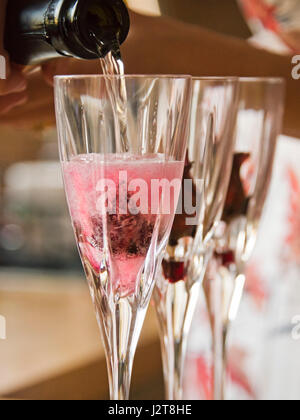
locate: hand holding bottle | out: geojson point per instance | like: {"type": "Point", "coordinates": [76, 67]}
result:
{"type": "Point", "coordinates": [13, 88]}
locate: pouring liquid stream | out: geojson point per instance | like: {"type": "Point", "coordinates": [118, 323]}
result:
{"type": "Point", "coordinates": [112, 65]}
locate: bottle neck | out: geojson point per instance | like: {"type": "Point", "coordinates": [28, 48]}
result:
{"type": "Point", "coordinates": [86, 29]}
{"type": "Point", "coordinates": [39, 30]}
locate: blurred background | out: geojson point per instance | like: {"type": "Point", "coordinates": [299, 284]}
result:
{"type": "Point", "coordinates": [53, 349]}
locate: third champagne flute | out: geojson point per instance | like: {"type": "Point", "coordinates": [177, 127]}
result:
{"type": "Point", "coordinates": [258, 124]}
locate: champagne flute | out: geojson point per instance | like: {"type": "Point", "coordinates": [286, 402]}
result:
{"type": "Point", "coordinates": [206, 176]}
{"type": "Point", "coordinates": [121, 221]}
{"type": "Point", "coordinates": [259, 119]}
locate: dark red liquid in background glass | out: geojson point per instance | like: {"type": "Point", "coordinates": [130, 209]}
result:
{"type": "Point", "coordinates": [173, 270]}
{"type": "Point", "coordinates": [180, 229]}
{"type": "Point", "coordinates": [236, 203]}
{"type": "Point", "coordinates": [225, 258]}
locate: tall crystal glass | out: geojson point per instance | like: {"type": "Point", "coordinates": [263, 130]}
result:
{"type": "Point", "coordinates": [259, 119]}
{"type": "Point", "coordinates": [206, 176]}
{"type": "Point", "coordinates": [118, 164]}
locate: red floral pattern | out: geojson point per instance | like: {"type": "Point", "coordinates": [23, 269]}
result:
{"type": "Point", "coordinates": [257, 9]}
{"type": "Point", "coordinates": [292, 240]}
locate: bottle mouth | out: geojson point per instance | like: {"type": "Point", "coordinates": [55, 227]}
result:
{"type": "Point", "coordinates": [103, 23]}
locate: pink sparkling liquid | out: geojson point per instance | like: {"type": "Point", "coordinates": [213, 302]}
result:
{"type": "Point", "coordinates": [117, 244]}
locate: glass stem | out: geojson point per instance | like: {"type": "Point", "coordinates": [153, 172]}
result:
{"type": "Point", "coordinates": [175, 314]}
{"type": "Point", "coordinates": [179, 359]}
{"type": "Point", "coordinates": [219, 336]}
{"type": "Point", "coordinates": [224, 298]}
{"type": "Point", "coordinates": [126, 327]}
{"type": "Point", "coordinates": [119, 373]}
{"type": "Point", "coordinates": [220, 364]}
{"type": "Point", "coordinates": [120, 324]}
{"type": "Point", "coordinates": [167, 351]}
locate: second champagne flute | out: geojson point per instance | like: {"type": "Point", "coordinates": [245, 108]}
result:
{"type": "Point", "coordinates": [206, 176]}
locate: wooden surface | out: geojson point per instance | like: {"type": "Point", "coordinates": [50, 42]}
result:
{"type": "Point", "coordinates": [53, 348]}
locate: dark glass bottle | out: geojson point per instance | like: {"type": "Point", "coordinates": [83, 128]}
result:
{"type": "Point", "coordinates": [38, 30]}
